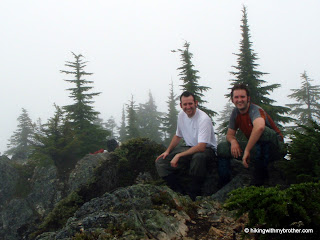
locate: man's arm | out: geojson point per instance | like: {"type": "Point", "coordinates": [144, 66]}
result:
{"type": "Point", "coordinates": [174, 142]}
{"type": "Point", "coordinates": [258, 128]}
{"type": "Point", "coordinates": [236, 150]}
{"type": "Point", "coordinates": [200, 147]}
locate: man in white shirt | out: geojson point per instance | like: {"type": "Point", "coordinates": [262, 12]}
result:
{"type": "Point", "coordinates": [196, 128]}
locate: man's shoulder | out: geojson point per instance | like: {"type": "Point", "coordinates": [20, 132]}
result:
{"type": "Point", "coordinates": [255, 107]}
{"type": "Point", "coordinates": [234, 113]}
{"type": "Point", "coordinates": [256, 111]}
{"type": "Point", "coordinates": [202, 115]}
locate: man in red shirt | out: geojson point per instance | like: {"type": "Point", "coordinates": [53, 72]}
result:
{"type": "Point", "coordinates": [260, 130]}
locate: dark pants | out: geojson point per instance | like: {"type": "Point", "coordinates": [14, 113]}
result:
{"type": "Point", "coordinates": [267, 149]}
{"type": "Point", "coordinates": [197, 162]}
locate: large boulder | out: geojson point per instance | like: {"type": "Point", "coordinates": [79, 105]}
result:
{"type": "Point", "coordinates": [46, 191]}
{"type": "Point", "coordinates": [85, 171]}
{"type": "Point", "coordinates": [135, 212]}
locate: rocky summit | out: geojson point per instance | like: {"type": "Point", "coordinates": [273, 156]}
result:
{"type": "Point", "coordinates": [113, 196]}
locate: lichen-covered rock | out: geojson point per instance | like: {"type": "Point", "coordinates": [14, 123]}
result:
{"type": "Point", "coordinates": [134, 212]}
{"type": "Point", "coordinates": [16, 213]}
{"type": "Point", "coordinates": [46, 190]}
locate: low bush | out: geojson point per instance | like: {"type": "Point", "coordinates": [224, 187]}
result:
{"type": "Point", "coordinates": [275, 208]}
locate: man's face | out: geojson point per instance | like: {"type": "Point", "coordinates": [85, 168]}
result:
{"type": "Point", "coordinates": [188, 105]}
{"type": "Point", "coordinates": [240, 99]}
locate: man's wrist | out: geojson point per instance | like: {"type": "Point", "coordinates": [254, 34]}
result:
{"type": "Point", "coordinates": [233, 141]}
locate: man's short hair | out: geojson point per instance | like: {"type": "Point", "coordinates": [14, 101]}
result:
{"type": "Point", "coordinates": [187, 94]}
{"type": "Point", "coordinates": [240, 86]}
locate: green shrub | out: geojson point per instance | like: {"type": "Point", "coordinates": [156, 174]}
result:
{"type": "Point", "coordinates": [304, 152]}
{"type": "Point", "coordinates": [275, 208]}
{"type": "Point", "coordinates": [135, 156]}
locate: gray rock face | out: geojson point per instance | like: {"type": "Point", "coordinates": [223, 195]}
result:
{"type": "Point", "coordinates": [46, 190]}
{"type": "Point", "coordinates": [84, 171]}
{"type": "Point", "coordinates": [17, 213]}
{"type": "Point", "coordinates": [129, 213]}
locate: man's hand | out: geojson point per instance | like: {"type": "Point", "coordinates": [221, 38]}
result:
{"type": "Point", "coordinates": [174, 142]}
{"type": "Point", "coordinates": [246, 159]}
{"type": "Point", "coordinates": [236, 151]}
{"type": "Point", "coordinates": [174, 161]}
{"type": "Point", "coordinates": [163, 155]}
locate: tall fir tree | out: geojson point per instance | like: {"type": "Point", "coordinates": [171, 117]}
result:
{"type": "Point", "coordinates": [21, 142]}
{"type": "Point", "coordinates": [189, 77]}
{"type": "Point", "coordinates": [307, 106]}
{"type": "Point", "coordinates": [149, 120]}
{"type": "Point", "coordinates": [81, 111]}
{"type": "Point", "coordinates": [123, 129]}
{"type": "Point", "coordinates": [81, 114]}
{"type": "Point", "coordinates": [169, 121]}
{"type": "Point", "coordinates": [247, 73]}
{"type": "Point", "coordinates": [132, 120]}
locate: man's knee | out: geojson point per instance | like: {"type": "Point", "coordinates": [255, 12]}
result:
{"type": "Point", "coordinates": [223, 150]}
{"type": "Point", "coordinates": [199, 156]}
{"type": "Point", "coordinates": [163, 167]}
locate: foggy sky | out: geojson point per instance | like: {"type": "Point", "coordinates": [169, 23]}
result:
{"type": "Point", "coordinates": [128, 44]}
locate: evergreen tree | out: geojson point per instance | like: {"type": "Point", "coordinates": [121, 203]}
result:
{"type": "Point", "coordinates": [304, 152]}
{"type": "Point", "coordinates": [307, 107]}
{"type": "Point", "coordinates": [247, 73]}
{"type": "Point", "coordinates": [81, 114]}
{"type": "Point", "coordinates": [56, 142]}
{"type": "Point", "coordinates": [169, 121]}
{"type": "Point", "coordinates": [223, 119]}
{"type": "Point", "coordinates": [149, 120]}
{"type": "Point", "coordinates": [189, 77]}
{"type": "Point", "coordinates": [81, 111]}
{"type": "Point", "coordinates": [132, 119]}
{"type": "Point", "coordinates": [123, 128]}
{"type": "Point", "coordinates": [20, 143]}
{"type": "Point", "coordinates": [111, 125]}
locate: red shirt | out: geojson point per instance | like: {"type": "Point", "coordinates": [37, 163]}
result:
{"type": "Point", "coordinates": [244, 121]}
